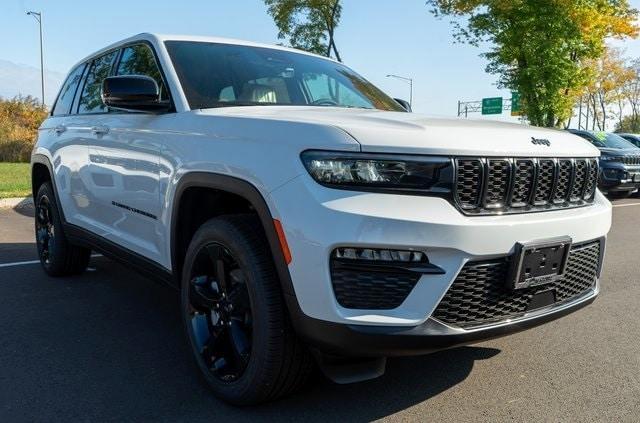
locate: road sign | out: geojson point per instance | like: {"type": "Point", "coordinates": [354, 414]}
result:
{"type": "Point", "coordinates": [516, 104]}
{"type": "Point", "coordinates": [492, 106]}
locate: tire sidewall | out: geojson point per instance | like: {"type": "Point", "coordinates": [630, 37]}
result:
{"type": "Point", "coordinates": [228, 236]}
{"type": "Point", "coordinates": [55, 257]}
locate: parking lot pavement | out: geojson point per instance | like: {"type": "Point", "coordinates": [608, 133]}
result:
{"type": "Point", "coordinates": [108, 346]}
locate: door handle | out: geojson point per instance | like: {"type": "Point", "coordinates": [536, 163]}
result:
{"type": "Point", "coordinates": [60, 129]}
{"type": "Point", "coordinates": [100, 130]}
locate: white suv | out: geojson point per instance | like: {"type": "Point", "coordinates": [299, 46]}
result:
{"type": "Point", "coordinates": [305, 215]}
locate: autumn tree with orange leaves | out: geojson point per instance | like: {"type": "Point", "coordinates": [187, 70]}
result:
{"type": "Point", "coordinates": [544, 49]}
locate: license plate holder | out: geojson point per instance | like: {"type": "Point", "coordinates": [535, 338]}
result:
{"type": "Point", "coordinates": [539, 262]}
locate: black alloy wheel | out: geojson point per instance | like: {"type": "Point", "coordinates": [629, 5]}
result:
{"type": "Point", "coordinates": [57, 255]}
{"type": "Point", "coordinates": [45, 230]}
{"type": "Point", "coordinates": [234, 314]}
{"type": "Point", "coordinates": [220, 312]}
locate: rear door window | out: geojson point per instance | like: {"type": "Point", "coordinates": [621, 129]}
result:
{"type": "Point", "coordinates": [68, 92]}
{"type": "Point", "coordinates": [91, 100]}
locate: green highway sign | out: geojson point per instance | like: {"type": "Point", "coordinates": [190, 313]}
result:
{"type": "Point", "coordinates": [492, 106]}
{"type": "Point", "coordinates": [516, 104]}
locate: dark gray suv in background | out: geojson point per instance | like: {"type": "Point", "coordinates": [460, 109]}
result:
{"type": "Point", "coordinates": [619, 162]}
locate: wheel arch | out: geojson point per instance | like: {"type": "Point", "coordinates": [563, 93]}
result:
{"type": "Point", "coordinates": [237, 187]}
{"type": "Point", "coordinates": [41, 172]}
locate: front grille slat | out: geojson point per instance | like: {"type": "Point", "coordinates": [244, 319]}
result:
{"type": "Point", "coordinates": [523, 182]}
{"type": "Point", "coordinates": [544, 182]}
{"type": "Point", "coordinates": [469, 183]}
{"type": "Point", "coordinates": [592, 180]}
{"type": "Point", "coordinates": [497, 183]}
{"type": "Point", "coordinates": [480, 295]}
{"type": "Point", "coordinates": [518, 185]}
{"type": "Point", "coordinates": [579, 179]}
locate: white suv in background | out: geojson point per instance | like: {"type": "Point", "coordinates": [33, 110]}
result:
{"type": "Point", "coordinates": [305, 215]}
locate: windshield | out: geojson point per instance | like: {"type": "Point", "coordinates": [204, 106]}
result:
{"type": "Point", "coordinates": [218, 75]}
{"type": "Point", "coordinates": [609, 140]}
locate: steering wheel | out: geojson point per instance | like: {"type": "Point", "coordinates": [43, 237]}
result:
{"type": "Point", "coordinates": [324, 102]}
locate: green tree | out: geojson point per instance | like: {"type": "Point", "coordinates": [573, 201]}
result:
{"type": "Point", "coordinates": [540, 48]}
{"type": "Point", "coordinates": [308, 24]}
{"type": "Point", "coordinates": [628, 124]}
{"type": "Point", "coordinates": [20, 118]}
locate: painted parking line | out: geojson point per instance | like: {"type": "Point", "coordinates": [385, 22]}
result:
{"type": "Point", "coordinates": [626, 205]}
{"type": "Point", "coordinates": [25, 263]}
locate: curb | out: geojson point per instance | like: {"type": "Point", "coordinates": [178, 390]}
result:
{"type": "Point", "coordinates": [15, 203]}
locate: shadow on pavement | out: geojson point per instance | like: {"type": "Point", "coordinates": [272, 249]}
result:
{"type": "Point", "coordinates": [108, 345]}
{"type": "Point", "coordinates": [25, 208]}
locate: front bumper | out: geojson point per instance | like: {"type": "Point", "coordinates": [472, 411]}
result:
{"type": "Point", "coordinates": [317, 220]}
{"type": "Point", "coordinates": [432, 335]}
{"type": "Point", "coordinates": [616, 177]}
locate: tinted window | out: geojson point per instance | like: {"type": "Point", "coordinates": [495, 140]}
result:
{"type": "Point", "coordinates": [90, 101]}
{"type": "Point", "coordinates": [632, 139]}
{"type": "Point", "coordinates": [215, 75]}
{"type": "Point", "coordinates": [140, 60]}
{"type": "Point", "coordinates": [68, 92]}
{"type": "Point", "coordinates": [609, 140]}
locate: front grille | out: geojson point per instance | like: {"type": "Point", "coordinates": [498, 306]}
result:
{"type": "Point", "coordinates": [371, 290]}
{"type": "Point", "coordinates": [480, 294]}
{"type": "Point", "coordinates": [631, 160]}
{"type": "Point", "coordinates": [518, 185]}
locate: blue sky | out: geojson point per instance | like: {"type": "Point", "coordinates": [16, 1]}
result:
{"type": "Point", "coordinates": [376, 38]}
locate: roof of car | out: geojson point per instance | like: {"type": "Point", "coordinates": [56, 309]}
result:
{"type": "Point", "coordinates": [160, 38]}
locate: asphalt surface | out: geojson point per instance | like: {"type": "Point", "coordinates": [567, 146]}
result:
{"type": "Point", "coordinates": [108, 346]}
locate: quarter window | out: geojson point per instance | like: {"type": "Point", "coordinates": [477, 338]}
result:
{"type": "Point", "coordinates": [140, 60]}
{"type": "Point", "coordinates": [91, 100]}
{"type": "Point", "coordinates": [68, 92]}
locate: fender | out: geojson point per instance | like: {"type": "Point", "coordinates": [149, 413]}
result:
{"type": "Point", "coordinates": [245, 190]}
{"type": "Point", "coordinates": [39, 158]}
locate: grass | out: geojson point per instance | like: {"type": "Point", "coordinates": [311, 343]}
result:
{"type": "Point", "coordinates": [15, 180]}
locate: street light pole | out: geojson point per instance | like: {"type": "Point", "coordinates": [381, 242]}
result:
{"type": "Point", "coordinates": [38, 17]}
{"type": "Point", "coordinates": [409, 81]}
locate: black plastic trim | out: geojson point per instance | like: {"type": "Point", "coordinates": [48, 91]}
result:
{"type": "Point", "coordinates": [44, 160]}
{"type": "Point", "coordinates": [386, 266]}
{"type": "Point", "coordinates": [389, 341]}
{"type": "Point", "coordinates": [243, 189]}
{"type": "Point", "coordinates": [79, 236]}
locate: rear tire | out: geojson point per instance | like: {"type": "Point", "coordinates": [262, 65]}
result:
{"type": "Point", "coordinates": [57, 256]}
{"type": "Point", "coordinates": [237, 324]}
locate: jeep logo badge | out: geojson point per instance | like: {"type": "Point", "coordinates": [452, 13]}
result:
{"type": "Point", "coordinates": [540, 141]}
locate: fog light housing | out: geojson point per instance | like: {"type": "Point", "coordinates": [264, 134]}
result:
{"type": "Point", "coordinates": [613, 173]}
{"type": "Point", "coordinates": [383, 260]}
{"type": "Point", "coordinates": [380, 255]}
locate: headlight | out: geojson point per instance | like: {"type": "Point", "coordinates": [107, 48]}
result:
{"type": "Point", "coordinates": [611, 158]}
{"type": "Point", "coordinates": [378, 172]}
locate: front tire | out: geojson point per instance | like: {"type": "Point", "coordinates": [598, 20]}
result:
{"type": "Point", "coordinates": [235, 317]}
{"type": "Point", "coordinates": [57, 256]}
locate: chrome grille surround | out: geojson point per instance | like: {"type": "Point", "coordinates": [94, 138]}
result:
{"type": "Point", "coordinates": [497, 185]}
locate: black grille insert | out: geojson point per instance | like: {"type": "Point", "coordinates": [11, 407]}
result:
{"type": "Point", "coordinates": [371, 290]}
{"type": "Point", "coordinates": [518, 185]}
{"type": "Point", "coordinates": [480, 294]}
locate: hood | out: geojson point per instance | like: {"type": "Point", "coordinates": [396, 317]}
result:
{"type": "Point", "coordinates": [411, 133]}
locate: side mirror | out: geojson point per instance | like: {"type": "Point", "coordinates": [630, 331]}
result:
{"type": "Point", "coordinates": [404, 103]}
{"type": "Point", "coordinates": [133, 93]}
